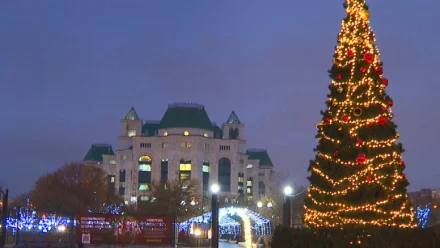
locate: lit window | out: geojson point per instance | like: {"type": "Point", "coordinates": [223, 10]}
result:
{"type": "Point", "coordinates": [131, 130]}
{"type": "Point", "coordinates": [122, 157]}
{"type": "Point", "coordinates": [145, 158]}
{"type": "Point", "coordinates": [112, 161]}
{"type": "Point", "coordinates": [165, 133]}
{"type": "Point", "coordinates": [143, 186]}
{"type": "Point", "coordinates": [249, 166]}
{"type": "Point", "coordinates": [248, 190]}
{"type": "Point", "coordinates": [144, 167]}
{"type": "Point", "coordinates": [186, 133]}
{"type": "Point", "coordinates": [250, 198]}
{"type": "Point", "coordinates": [133, 199]}
{"type": "Point", "coordinates": [205, 134]}
{"type": "Point", "coordinates": [240, 179]}
{"type": "Point", "coordinates": [144, 198]}
{"type": "Point", "coordinates": [112, 179]}
{"type": "Point", "coordinates": [205, 168]}
{"type": "Point", "coordinates": [185, 166]}
{"type": "Point", "coordinates": [185, 144]}
{"type": "Point", "coordinates": [249, 183]}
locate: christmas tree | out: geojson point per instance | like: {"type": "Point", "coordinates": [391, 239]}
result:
{"type": "Point", "coordinates": [357, 176]}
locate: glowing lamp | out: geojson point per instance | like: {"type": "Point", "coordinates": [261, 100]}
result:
{"type": "Point", "coordinates": [259, 204]}
{"type": "Point", "coordinates": [215, 188]}
{"type": "Point", "coordinates": [288, 190]}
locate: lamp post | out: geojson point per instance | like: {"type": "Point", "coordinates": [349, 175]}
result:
{"type": "Point", "coordinates": [215, 188]}
{"type": "Point", "coordinates": [287, 206]}
{"type": "Point", "coordinates": [5, 216]}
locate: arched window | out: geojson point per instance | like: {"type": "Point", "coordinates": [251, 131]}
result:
{"type": "Point", "coordinates": [144, 175]}
{"type": "Point", "coordinates": [205, 175]}
{"type": "Point", "coordinates": [261, 188]}
{"type": "Point", "coordinates": [224, 174]}
{"type": "Point", "coordinates": [185, 169]}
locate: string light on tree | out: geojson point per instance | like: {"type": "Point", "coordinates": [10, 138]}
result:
{"type": "Point", "coordinates": [357, 176]}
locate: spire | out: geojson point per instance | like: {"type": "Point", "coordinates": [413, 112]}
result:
{"type": "Point", "coordinates": [233, 119]}
{"type": "Point", "coordinates": [132, 115]}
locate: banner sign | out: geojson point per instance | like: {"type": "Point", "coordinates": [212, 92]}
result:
{"type": "Point", "coordinates": [117, 229]}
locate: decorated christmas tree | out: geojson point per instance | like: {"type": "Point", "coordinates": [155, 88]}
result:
{"type": "Point", "coordinates": [357, 176]}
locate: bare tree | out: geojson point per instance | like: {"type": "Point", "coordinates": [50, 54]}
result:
{"type": "Point", "coordinates": [72, 189]}
{"type": "Point", "coordinates": [179, 197]}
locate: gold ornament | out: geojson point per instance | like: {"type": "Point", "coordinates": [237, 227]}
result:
{"type": "Point", "coordinates": [335, 103]}
{"type": "Point", "coordinates": [365, 14]}
{"type": "Point", "coordinates": [340, 89]}
{"type": "Point", "coordinates": [367, 104]}
{"type": "Point", "coordinates": [357, 111]}
{"type": "Point", "coordinates": [340, 129]}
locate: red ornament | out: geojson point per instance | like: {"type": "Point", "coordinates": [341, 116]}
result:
{"type": "Point", "coordinates": [402, 163]}
{"type": "Point", "coordinates": [368, 178]}
{"type": "Point", "coordinates": [384, 81]}
{"type": "Point", "coordinates": [361, 158]}
{"type": "Point", "coordinates": [360, 142]}
{"type": "Point", "coordinates": [378, 70]}
{"type": "Point", "coordinates": [368, 57]}
{"type": "Point", "coordinates": [339, 76]}
{"type": "Point", "coordinates": [326, 119]}
{"type": "Point", "coordinates": [363, 69]}
{"type": "Point", "coordinates": [390, 103]}
{"type": "Point", "coordinates": [370, 123]}
{"type": "Point", "coordinates": [392, 198]}
{"type": "Point", "coordinates": [336, 153]}
{"type": "Point", "coordinates": [403, 175]}
{"type": "Point", "coordinates": [382, 120]}
{"type": "Point", "coordinates": [383, 108]}
{"type": "Point", "coordinates": [350, 53]}
{"type": "Point", "coordinates": [345, 118]}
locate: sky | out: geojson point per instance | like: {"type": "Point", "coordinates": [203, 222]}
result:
{"type": "Point", "coordinates": [70, 70]}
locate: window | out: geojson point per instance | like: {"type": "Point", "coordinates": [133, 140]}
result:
{"type": "Point", "coordinates": [261, 188]}
{"type": "Point", "coordinates": [261, 174]}
{"type": "Point", "coordinates": [112, 179]}
{"type": "Point", "coordinates": [225, 148]}
{"type": "Point", "coordinates": [205, 135]}
{"type": "Point", "coordinates": [144, 167]}
{"type": "Point", "coordinates": [224, 174]}
{"type": "Point", "coordinates": [122, 184]}
{"type": "Point", "coordinates": [131, 130]}
{"type": "Point", "coordinates": [248, 190]}
{"type": "Point", "coordinates": [122, 157]}
{"type": "Point", "coordinates": [164, 170]}
{"type": "Point", "coordinates": [144, 198]}
{"type": "Point", "coordinates": [249, 166]}
{"type": "Point", "coordinates": [241, 161]}
{"type": "Point", "coordinates": [249, 183]}
{"type": "Point", "coordinates": [143, 186]}
{"type": "Point", "coordinates": [186, 133]}
{"type": "Point", "coordinates": [249, 198]}
{"type": "Point", "coordinates": [206, 146]}
{"type": "Point", "coordinates": [165, 133]}
{"type": "Point", "coordinates": [185, 144]}
{"type": "Point", "coordinates": [164, 144]}
{"type": "Point", "coordinates": [145, 158]}
{"type": "Point", "coordinates": [185, 169]}
{"type": "Point", "coordinates": [205, 175]}
{"type": "Point", "coordinates": [112, 161]}
{"type": "Point", "coordinates": [145, 145]}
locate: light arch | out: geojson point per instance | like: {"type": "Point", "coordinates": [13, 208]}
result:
{"type": "Point", "coordinates": [145, 158]}
{"type": "Point", "coordinates": [251, 221]}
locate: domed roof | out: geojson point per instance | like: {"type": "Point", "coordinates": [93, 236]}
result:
{"type": "Point", "coordinates": [188, 115]}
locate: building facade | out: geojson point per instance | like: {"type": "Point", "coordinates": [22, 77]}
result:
{"type": "Point", "coordinates": [186, 144]}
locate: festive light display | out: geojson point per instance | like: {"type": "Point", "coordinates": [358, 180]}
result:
{"type": "Point", "coordinates": [357, 176]}
{"type": "Point", "coordinates": [252, 222]}
{"type": "Point", "coordinates": [422, 215]}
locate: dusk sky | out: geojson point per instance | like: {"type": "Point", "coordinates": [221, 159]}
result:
{"type": "Point", "coordinates": [70, 70]}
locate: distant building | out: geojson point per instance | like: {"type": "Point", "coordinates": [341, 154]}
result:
{"type": "Point", "coordinates": [187, 144]}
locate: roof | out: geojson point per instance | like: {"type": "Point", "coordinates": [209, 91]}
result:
{"type": "Point", "coordinates": [233, 118]}
{"type": "Point", "coordinates": [186, 115]}
{"type": "Point", "coordinates": [218, 132]}
{"type": "Point", "coordinates": [261, 155]}
{"type": "Point", "coordinates": [97, 150]}
{"type": "Point", "coordinates": [150, 128]}
{"type": "Point", "coordinates": [132, 115]}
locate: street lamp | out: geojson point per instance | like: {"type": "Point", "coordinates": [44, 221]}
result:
{"type": "Point", "coordinates": [287, 208]}
{"type": "Point", "coordinates": [215, 188]}
{"type": "Point", "coordinates": [5, 216]}
{"type": "Point", "coordinates": [259, 204]}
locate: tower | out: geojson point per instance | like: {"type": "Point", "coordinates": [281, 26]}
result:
{"type": "Point", "coordinates": [233, 128]}
{"type": "Point", "coordinates": [130, 126]}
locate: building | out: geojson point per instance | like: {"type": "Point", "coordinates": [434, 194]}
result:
{"type": "Point", "coordinates": [187, 144]}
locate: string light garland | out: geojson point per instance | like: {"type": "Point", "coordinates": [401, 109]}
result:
{"type": "Point", "coordinates": [357, 176]}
